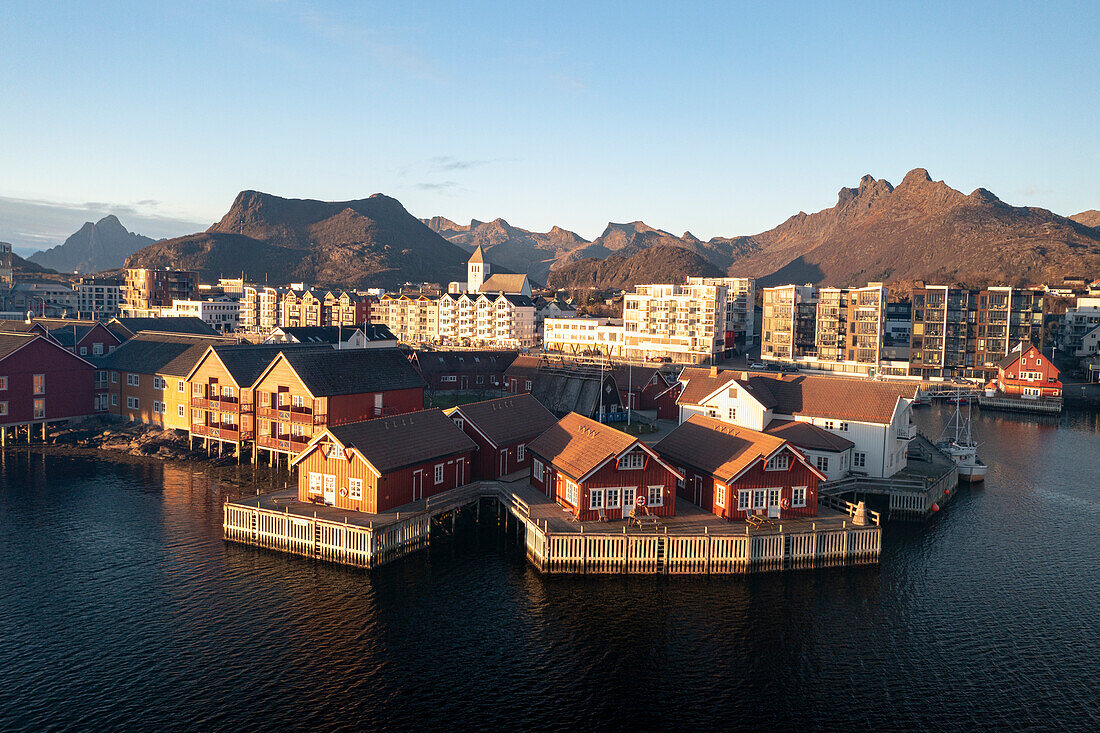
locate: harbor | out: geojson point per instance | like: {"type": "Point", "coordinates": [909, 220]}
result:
{"type": "Point", "coordinates": [693, 542]}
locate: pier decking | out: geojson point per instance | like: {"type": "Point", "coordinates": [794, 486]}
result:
{"type": "Point", "coordinates": [693, 542]}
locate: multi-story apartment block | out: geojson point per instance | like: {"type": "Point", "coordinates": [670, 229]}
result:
{"type": "Point", "coordinates": [1081, 328]}
{"type": "Point", "coordinates": [260, 308]}
{"type": "Point", "coordinates": [149, 288]}
{"type": "Point", "coordinates": [682, 323]}
{"type": "Point", "coordinates": [6, 278]}
{"type": "Point", "coordinates": [323, 308]}
{"type": "Point", "coordinates": [412, 320]}
{"type": "Point", "coordinates": [740, 302]}
{"type": "Point", "coordinates": [222, 314]}
{"type": "Point", "coordinates": [498, 319]}
{"type": "Point", "coordinates": [98, 297]}
{"type": "Point", "coordinates": [788, 322]}
{"type": "Point", "coordinates": [963, 333]}
{"type": "Point", "coordinates": [586, 336]}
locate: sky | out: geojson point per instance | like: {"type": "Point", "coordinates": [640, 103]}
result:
{"type": "Point", "coordinates": [718, 118]}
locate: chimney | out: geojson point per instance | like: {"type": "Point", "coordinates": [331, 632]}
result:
{"type": "Point", "coordinates": [744, 376]}
{"type": "Point", "coordinates": [714, 371]}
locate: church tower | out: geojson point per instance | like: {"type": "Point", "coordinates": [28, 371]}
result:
{"type": "Point", "coordinates": [477, 272]}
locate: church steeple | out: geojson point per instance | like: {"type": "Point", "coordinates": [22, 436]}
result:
{"type": "Point", "coordinates": [477, 271]}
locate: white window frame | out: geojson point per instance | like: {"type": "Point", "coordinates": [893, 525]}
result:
{"type": "Point", "coordinates": [571, 492]}
{"type": "Point", "coordinates": [39, 379]}
{"type": "Point", "coordinates": [843, 427]}
{"type": "Point", "coordinates": [798, 496]}
{"type": "Point", "coordinates": [781, 462]}
{"type": "Point", "coordinates": [655, 495]}
{"type": "Point", "coordinates": [744, 497]}
{"type": "Point", "coordinates": [181, 387]}
{"type": "Point", "coordinates": [536, 469]}
{"type": "Point", "coordinates": [330, 481]}
{"type": "Point", "coordinates": [133, 403]}
{"type": "Point", "coordinates": [316, 482]}
{"type": "Point", "coordinates": [438, 476]}
{"type": "Point", "coordinates": [3, 384]}
{"type": "Point", "coordinates": [613, 494]}
{"type": "Point", "coordinates": [859, 459]}
{"type": "Point", "coordinates": [297, 401]}
{"type": "Point", "coordinates": [521, 452]}
{"type": "Point", "coordinates": [39, 413]}
{"type": "Point", "coordinates": [627, 462]}
{"type": "Point", "coordinates": [181, 411]}
{"type": "Point", "coordinates": [595, 499]}
{"type": "Point", "coordinates": [133, 380]}
{"type": "Point", "coordinates": [720, 495]}
{"type": "Point", "coordinates": [355, 489]}
{"type": "Point", "coordinates": [3, 408]}
{"type": "Point", "coordinates": [448, 378]}
{"type": "Point", "coordinates": [822, 463]}
{"type": "Point", "coordinates": [759, 499]}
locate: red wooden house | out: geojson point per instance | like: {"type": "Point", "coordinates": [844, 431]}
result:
{"type": "Point", "coordinates": [666, 402]}
{"type": "Point", "coordinates": [733, 471]}
{"type": "Point", "coordinates": [639, 386]}
{"type": "Point", "coordinates": [463, 370]}
{"type": "Point", "coordinates": [376, 465]}
{"type": "Point", "coordinates": [85, 338]}
{"type": "Point", "coordinates": [1025, 372]}
{"type": "Point", "coordinates": [502, 429]}
{"type": "Point", "coordinates": [41, 382]}
{"type": "Point", "coordinates": [597, 472]}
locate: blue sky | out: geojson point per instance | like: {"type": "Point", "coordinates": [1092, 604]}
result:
{"type": "Point", "coordinates": [717, 118]}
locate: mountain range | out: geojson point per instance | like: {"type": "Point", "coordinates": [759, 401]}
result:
{"type": "Point", "coordinates": [919, 230]}
{"type": "Point", "coordinates": [100, 246]}
{"type": "Point", "coordinates": [371, 242]}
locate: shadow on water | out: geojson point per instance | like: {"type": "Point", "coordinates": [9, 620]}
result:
{"type": "Point", "coordinates": [122, 607]}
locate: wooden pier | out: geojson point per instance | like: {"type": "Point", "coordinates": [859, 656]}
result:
{"type": "Point", "coordinates": [1042, 405]}
{"type": "Point", "coordinates": [695, 542]}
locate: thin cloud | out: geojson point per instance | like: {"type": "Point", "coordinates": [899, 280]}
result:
{"type": "Point", "coordinates": [437, 186]}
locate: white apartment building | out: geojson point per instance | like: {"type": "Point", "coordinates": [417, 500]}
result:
{"type": "Point", "coordinates": [1079, 328]}
{"type": "Point", "coordinates": [98, 297]}
{"type": "Point", "coordinates": [682, 323]}
{"type": "Point", "coordinates": [259, 312]}
{"type": "Point", "coordinates": [494, 319]}
{"type": "Point", "coordinates": [584, 335]}
{"type": "Point", "coordinates": [221, 314]}
{"type": "Point", "coordinates": [412, 320]}
{"type": "Point", "coordinates": [740, 307]}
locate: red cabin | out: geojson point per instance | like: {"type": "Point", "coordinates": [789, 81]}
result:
{"type": "Point", "coordinates": [502, 429]}
{"type": "Point", "coordinates": [41, 381]}
{"type": "Point", "coordinates": [667, 407]}
{"type": "Point", "coordinates": [733, 471]}
{"type": "Point", "coordinates": [597, 472]}
{"type": "Point", "coordinates": [1025, 372]}
{"type": "Point", "coordinates": [376, 465]}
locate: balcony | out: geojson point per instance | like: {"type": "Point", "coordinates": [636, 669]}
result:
{"type": "Point", "coordinates": [222, 431]}
{"type": "Point", "coordinates": [287, 443]}
{"type": "Point", "coordinates": [909, 432]}
{"type": "Point", "coordinates": [298, 415]}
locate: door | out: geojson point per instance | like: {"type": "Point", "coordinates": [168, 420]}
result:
{"type": "Point", "coordinates": [330, 490]}
{"type": "Point", "coordinates": [630, 493]}
{"type": "Point", "coordinates": [460, 471]}
{"type": "Point", "coordinates": [503, 461]}
{"type": "Point", "coordinates": [697, 490]}
{"type": "Point", "coordinates": [773, 503]}
{"type": "Point", "coordinates": [465, 382]}
{"type": "Point", "coordinates": [378, 404]}
{"type": "Point", "coordinates": [418, 484]}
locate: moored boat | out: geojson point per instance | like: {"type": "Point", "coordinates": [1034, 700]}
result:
{"type": "Point", "coordinates": [961, 446]}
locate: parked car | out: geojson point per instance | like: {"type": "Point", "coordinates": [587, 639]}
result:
{"type": "Point", "coordinates": [757, 365]}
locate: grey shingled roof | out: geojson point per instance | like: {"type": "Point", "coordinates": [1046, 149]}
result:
{"type": "Point", "coordinates": [183, 324]}
{"type": "Point", "coordinates": [353, 371]}
{"type": "Point", "coordinates": [471, 362]}
{"type": "Point", "coordinates": [9, 342]}
{"type": "Point", "coordinates": [393, 443]}
{"type": "Point", "coordinates": [150, 353]}
{"type": "Point", "coordinates": [246, 362]}
{"type": "Point", "coordinates": [508, 419]}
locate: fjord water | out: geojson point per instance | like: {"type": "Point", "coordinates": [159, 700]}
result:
{"type": "Point", "coordinates": [123, 608]}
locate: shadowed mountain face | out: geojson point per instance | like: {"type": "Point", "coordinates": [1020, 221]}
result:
{"type": "Point", "coordinates": [514, 248]}
{"type": "Point", "coordinates": [100, 246]}
{"type": "Point", "coordinates": [372, 242]}
{"type": "Point", "coordinates": [631, 266]}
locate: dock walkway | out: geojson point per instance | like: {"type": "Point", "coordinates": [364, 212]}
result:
{"type": "Point", "coordinates": [693, 542]}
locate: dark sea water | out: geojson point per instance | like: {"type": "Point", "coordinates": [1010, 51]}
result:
{"type": "Point", "coordinates": [123, 608]}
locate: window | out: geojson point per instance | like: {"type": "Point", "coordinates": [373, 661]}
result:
{"type": "Point", "coordinates": [521, 451]}
{"type": "Point", "coordinates": [330, 482]}
{"type": "Point", "coordinates": [720, 495]}
{"type": "Point", "coordinates": [296, 430]}
{"type": "Point", "coordinates": [742, 500]}
{"type": "Point", "coordinates": [595, 498]}
{"type": "Point", "coordinates": [3, 408]}
{"type": "Point", "coordinates": [114, 377]}
{"type": "Point", "coordinates": [83, 350]}
{"type": "Point", "coordinates": [571, 492]}
{"type": "Point", "coordinates": [39, 408]}
{"type": "Point", "coordinates": [656, 496]}
{"type": "Point", "coordinates": [798, 496]}
{"type": "Point", "coordinates": [158, 407]}
{"type": "Point", "coordinates": [778, 463]}
{"type": "Point", "coordinates": [732, 392]}
{"type": "Point", "coordinates": [227, 391]}
{"type": "Point", "coordinates": [198, 416]}
{"type": "Point", "coordinates": [355, 488]}
{"type": "Point", "coordinates": [3, 383]}
{"type": "Point", "coordinates": [180, 412]}
{"type": "Point", "coordinates": [448, 378]}
{"type": "Point", "coordinates": [314, 482]}
{"type": "Point", "coordinates": [632, 462]}
{"type": "Point", "coordinates": [158, 383]}
{"type": "Point", "coordinates": [758, 499]}
{"type": "Point", "coordinates": [822, 463]}
{"type": "Point", "coordinates": [828, 425]}
{"type": "Point", "coordinates": [297, 401]}
{"type": "Point", "coordinates": [132, 403]}
{"type": "Point", "coordinates": [859, 460]}
{"type": "Point", "coordinates": [114, 400]}
{"type": "Point", "coordinates": [527, 384]}
{"type": "Point", "coordinates": [731, 413]}
{"type": "Point", "coordinates": [439, 473]}
{"type": "Point", "coordinates": [133, 380]}
{"type": "Point", "coordinates": [844, 427]}
{"type": "Point", "coordinates": [40, 384]}
{"type": "Point", "coordinates": [180, 387]}
{"type": "Point", "coordinates": [97, 349]}
{"type": "Point", "coordinates": [536, 469]}
{"type": "Point", "coordinates": [612, 498]}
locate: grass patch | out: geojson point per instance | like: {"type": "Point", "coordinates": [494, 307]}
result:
{"type": "Point", "coordinates": [634, 428]}
{"type": "Point", "coordinates": [443, 400]}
